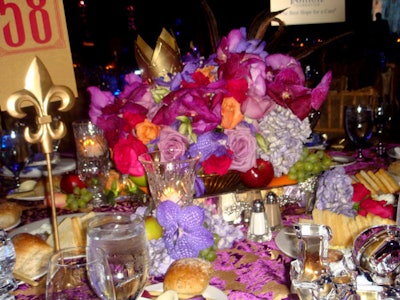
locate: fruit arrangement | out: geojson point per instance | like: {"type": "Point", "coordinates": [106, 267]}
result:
{"type": "Point", "coordinates": [79, 198]}
{"type": "Point", "coordinates": [70, 193]}
{"type": "Point", "coordinates": [258, 176]}
{"type": "Point", "coordinates": [210, 253]}
{"type": "Point", "coordinates": [311, 163]}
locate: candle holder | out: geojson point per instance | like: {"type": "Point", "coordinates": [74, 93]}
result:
{"type": "Point", "coordinates": [93, 162]}
{"type": "Point", "coordinates": [170, 176]}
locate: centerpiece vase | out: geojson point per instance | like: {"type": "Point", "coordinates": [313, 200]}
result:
{"type": "Point", "coordinates": [170, 176]}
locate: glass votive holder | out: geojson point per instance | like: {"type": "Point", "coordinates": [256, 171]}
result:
{"type": "Point", "coordinates": [170, 177]}
{"type": "Point", "coordinates": [92, 155]}
{"type": "Point", "coordinates": [91, 148]}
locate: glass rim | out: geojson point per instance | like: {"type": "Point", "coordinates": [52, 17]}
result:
{"type": "Point", "coordinates": [72, 253]}
{"type": "Point", "coordinates": [146, 158]}
{"type": "Point", "coordinates": [97, 221]}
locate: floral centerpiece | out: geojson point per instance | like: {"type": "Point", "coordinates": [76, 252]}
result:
{"type": "Point", "coordinates": [239, 104]}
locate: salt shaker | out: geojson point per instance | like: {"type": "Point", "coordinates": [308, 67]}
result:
{"type": "Point", "coordinates": [273, 211]}
{"type": "Point", "coordinates": [7, 262]}
{"type": "Point", "coordinates": [259, 230]}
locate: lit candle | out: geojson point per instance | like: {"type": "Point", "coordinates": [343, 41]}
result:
{"type": "Point", "coordinates": [92, 147]}
{"type": "Point", "coordinates": [171, 194]}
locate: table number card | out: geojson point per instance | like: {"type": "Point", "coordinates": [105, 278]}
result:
{"type": "Point", "coordinates": [30, 28]}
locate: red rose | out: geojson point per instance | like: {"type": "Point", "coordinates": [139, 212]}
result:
{"type": "Point", "coordinates": [217, 164]}
{"type": "Point", "coordinates": [360, 192]}
{"type": "Point", "coordinates": [126, 153]}
{"type": "Point", "coordinates": [378, 208]}
{"type": "Point", "coordinates": [132, 120]}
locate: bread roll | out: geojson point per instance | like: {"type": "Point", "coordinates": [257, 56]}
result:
{"type": "Point", "coordinates": [10, 213]}
{"type": "Point", "coordinates": [394, 168]}
{"type": "Point", "coordinates": [72, 231]}
{"type": "Point", "coordinates": [188, 277]}
{"type": "Point", "coordinates": [32, 255]}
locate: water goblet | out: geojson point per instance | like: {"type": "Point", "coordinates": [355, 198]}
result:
{"type": "Point", "coordinates": [123, 238]}
{"type": "Point", "coordinates": [15, 152]}
{"type": "Point", "coordinates": [79, 273]}
{"type": "Point", "coordinates": [358, 124]}
{"type": "Point", "coordinates": [7, 262]}
{"type": "Point", "coordinates": [382, 121]}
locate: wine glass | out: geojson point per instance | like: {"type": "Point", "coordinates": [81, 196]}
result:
{"type": "Point", "coordinates": [123, 238]}
{"type": "Point", "coordinates": [79, 273]}
{"type": "Point", "coordinates": [382, 120]}
{"type": "Point", "coordinates": [15, 152]}
{"type": "Point", "coordinates": [358, 124]}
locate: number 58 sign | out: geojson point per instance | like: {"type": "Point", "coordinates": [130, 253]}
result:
{"type": "Point", "coordinates": [30, 28]}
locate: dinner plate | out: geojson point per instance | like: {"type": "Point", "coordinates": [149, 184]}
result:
{"type": "Point", "coordinates": [342, 160]}
{"type": "Point", "coordinates": [287, 243]}
{"type": "Point", "coordinates": [210, 293]}
{"type": "Point", "coordinates": [37, 194]}
{"type": "Point", "coordinates": [13, 226]}
{"type": "Point", "coordinates": [41, 226]}
{"type": "Point", "coordinates": [64, 165]}
{"type": "Point", "coordinates": [394, 152]}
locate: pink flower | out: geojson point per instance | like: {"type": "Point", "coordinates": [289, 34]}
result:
{"type": "Point", "coordinates": [243, 144]}
{"type": "Point", "coordinates": [99, 100]}
{"type": "Point", "coordinates": [126, 153]}
{"type": "Point", "coordinates": [172, 139]}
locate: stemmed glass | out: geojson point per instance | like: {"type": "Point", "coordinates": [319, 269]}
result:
{"type": "Point", "coordinates": [75, 273]}
{"type": "Point", "coordinates": [123, 238]}
{"type": "Point", "coordinates": [15, 152]}
{"type": "Point", "coordinates": [358, 124]}
{"type": "Point", "coordinates": [383, 118]}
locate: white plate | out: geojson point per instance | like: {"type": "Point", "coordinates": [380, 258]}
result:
{"type": "Point", "coordinates": [287, 243]}
{"type": "Point", "coordinates": [40, 226]}
{"type": "Point", "coordinates": [211, 292]}
{"type": "Point", "coordinates": [393, 153]}
{"type": "Point", "coordinates": [342, 160]}
{"type": "Point", "coordinates": [63, 166]}
{"type": "Point", "coordinates": [13, 226]}
{"type": "Point", "coordinates": [29, 198]}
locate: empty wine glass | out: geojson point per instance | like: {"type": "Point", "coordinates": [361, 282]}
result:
{"type": "Point", "coordinates": [15, 152]}
{"type": "Point", "coordinates": [358, 124]}
{"type": "Point", "coordinates": [383, 118]}
{"type": "Point", "coordinates": [72, 275]}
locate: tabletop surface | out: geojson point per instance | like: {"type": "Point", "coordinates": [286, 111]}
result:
{"type": "Point", "coordinates": [247, 270]}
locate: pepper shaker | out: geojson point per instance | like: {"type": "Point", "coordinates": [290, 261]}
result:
{"type": "Point", "coordinates": [273, 211]}
{"type": "Point", "coordinates": [259, 230]}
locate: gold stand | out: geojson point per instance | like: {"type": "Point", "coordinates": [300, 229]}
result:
{"type": "Point", "coordinates": [39, 91]}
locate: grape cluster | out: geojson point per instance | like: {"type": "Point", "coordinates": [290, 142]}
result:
{"type": "Point", "coordinates": [210, 253]}
{"type": "Point", "coordinates": [311, 163]}
{"type": "Point", "coordinates": [79, 198]}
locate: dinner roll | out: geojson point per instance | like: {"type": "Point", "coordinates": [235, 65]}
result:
{"type": "Point", "coordinates": [394, 168]}
{"type": "Point", "coordinates": [10, 213]}
{"type": "Point", "coordinates": [188, 277]}
{"type": "Point", "coordinates": [32, 254]}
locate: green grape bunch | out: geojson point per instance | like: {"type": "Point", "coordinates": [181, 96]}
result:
{"type": "Point", "coordinates": [311, 163]}
{"type": "Point", "coordinates": [210, 253]}
{"type": "Point", "coordinates": [79, 198]}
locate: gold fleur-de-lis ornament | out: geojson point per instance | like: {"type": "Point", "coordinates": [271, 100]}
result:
{"type": "Point", "coordinates": [39, 91]}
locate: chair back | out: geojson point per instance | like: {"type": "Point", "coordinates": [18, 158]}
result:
{"type": "Point", "coordinates": [331, 121]}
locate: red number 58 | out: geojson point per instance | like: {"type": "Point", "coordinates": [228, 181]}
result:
{"type": "Point", "coordinates": [38, 19]}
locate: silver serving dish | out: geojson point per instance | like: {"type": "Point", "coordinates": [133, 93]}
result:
{"type": "Point", "coordinates": [376, 253]}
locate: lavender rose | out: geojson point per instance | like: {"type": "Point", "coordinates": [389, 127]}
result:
{"type": "Point", "coordinates": [243, 145]}
{"type": "Point", "coordinates": [171, 139]}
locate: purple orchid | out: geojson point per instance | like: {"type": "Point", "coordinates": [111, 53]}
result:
{"type": "Point", "coordinates": [184, 233]}
{"type": "Point", "coordinates": [209, 143]}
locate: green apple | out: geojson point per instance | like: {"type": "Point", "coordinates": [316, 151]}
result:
{"type": "Point", "coordinates": [153, 228]}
